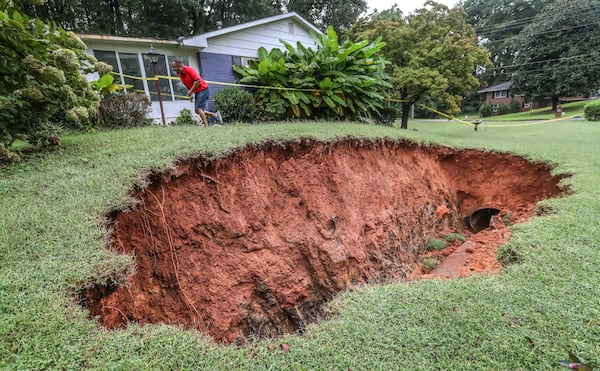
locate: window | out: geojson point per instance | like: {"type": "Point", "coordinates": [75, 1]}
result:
{"type": "Point", "coordinates": [500, 94]}
{"type": "Point", "coordinates": [242, 61]}
{"type": "Point", "coordinates": [108, 57]}
{"type": "Point", "coordinates": [291, 27]}
{"type": "Point", "coordinates": [125, 63]}
{"type": "Point", "coordinates": [159, 69]}
{"type": "Point", "coordinates": [179, 90]}
{"type": "Point", "coordinates": [130, 65]}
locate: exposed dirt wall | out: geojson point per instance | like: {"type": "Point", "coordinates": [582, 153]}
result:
{"type": "Point", "coordinates": [254, 243]}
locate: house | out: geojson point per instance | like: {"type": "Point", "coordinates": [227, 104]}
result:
{"type": "Point", "coordinates": [503, 94]}
{"type": "Point", "coordinates": [212, 54]}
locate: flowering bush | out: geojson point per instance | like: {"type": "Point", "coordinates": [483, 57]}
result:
{"type": "Point", "coordinates": [42, 81]}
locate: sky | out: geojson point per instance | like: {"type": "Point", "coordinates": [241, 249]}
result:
{"type": "Point", "coordinates": [406, 6]}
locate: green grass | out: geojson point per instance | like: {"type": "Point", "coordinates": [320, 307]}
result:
{"type": "Point", "coordinates": [52, 244]}
{"type": "Point", "coordinates": [435, 244]}
{"type": "Point", "coordinates": [544, 113]}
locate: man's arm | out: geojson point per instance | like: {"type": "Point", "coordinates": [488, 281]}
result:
{"type": "Point", "coordinates": [194, 87]}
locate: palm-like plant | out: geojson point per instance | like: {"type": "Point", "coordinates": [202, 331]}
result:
{"type": "Point", "coordinates": [332, 82]}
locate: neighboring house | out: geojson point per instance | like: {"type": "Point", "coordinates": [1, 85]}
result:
{"type": "Point", "coordinates": [212, 54]}
{"type": "Point", "coordinates": [502, 94]}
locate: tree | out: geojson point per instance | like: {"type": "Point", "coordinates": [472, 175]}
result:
{"type": "Point", "coordinates": [109, 17]}
{"type": "Point", "coordinates": [173, 18]}
{"type": "Point", "coordinates": [152, 18]}
{"type": "Point", "coordinates": [557, 52]}
{"type": "Point", "coordinates": [497, 23]}
{"type": "Point", "coordinates": [433, 54]}
{"type": "Point", "coordinates": [340, 14]}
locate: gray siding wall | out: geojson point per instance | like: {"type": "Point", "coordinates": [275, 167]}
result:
{"type": "Point", "coordinates": [216, 67]}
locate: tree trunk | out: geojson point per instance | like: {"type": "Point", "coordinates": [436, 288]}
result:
{"type": "Point", "coordinates": [554, 102]}
{"type": "Point", "coordinates": [405, 113]}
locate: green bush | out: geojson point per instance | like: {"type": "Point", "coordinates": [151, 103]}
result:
{"type": "Point", "coordinates": [514, 106]}
{"type": "Point", "coordinates": [334, 82]}
{"type": "Point", "coordinates": [592, 111]}
{"type": "Point", "coordinates": [503, 109]}
{"type": "Point", "coordinates": [185, 117]}
{"type": "Point", "coordinates": [486, 110]}
{"type": "Point", "coordinates": [235, 105]}
{"type": "Point", "coordinates": [435, 244]}
{"type": "Point", "coordinates": [124, 110]}
{"type": "Point", "coordinates": [42, 81]}
{"type": "Point", "coordinates": [386, 116]}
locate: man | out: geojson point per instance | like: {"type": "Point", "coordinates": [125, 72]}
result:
{"type": "Point", "coordinates": [197, 88]}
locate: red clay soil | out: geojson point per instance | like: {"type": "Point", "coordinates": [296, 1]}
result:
{"type": "Point", "coordinates": [252, 244]}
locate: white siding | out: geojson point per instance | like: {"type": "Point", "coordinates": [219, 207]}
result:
{"type": "Point", "coordinates": [242, 40]}
{"type": "Point", "coordinates": [245, 43]}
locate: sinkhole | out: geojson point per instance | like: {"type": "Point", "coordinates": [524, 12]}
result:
{"type": "Point", "coordinates": [252, 244]}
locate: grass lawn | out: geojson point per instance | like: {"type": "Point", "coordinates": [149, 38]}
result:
{"type": "Point", "coordinates": [545, 113]}
{"type": "Point", "coordinates": [529, 317]}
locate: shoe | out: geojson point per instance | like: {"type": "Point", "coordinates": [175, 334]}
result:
{"type": "Point", "coordinates": [219, 118]}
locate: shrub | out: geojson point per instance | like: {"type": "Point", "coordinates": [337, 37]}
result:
{"type": "Point", "coordinates": [42, 80]}
{"type": "Point", "coordinates": [185, 117]}
{"type": "Point", "coordinates": [515, 106]}
{"type": "Point", "coordinates": [386, 116]}
{"type": "Point", "coordinates": [124, 110]}
{"type": "Point", "coordinates": [592, 111]}
{"type": "Point", "coordinates": [235, 105]}
{"type": "Point", "coordinates": [434, 244]}
{"type": "Point", "coordinates": [486, 110]}
{"type": "Point", "coordinates": [270, 106]}
{"type": "Point", "coordinates": [333, 82]}
{"type": "Point", "coordinates": [502, 109]}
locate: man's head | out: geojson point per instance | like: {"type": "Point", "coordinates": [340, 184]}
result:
{"type": "Point", "coordinates": [177, 66]}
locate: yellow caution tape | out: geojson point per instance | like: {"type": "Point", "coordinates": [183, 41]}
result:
{"type": "Point", "coordinates": [449, 117]}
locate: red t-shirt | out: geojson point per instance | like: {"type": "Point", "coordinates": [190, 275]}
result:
{"type": "Point", "coordinates": [189, 75]}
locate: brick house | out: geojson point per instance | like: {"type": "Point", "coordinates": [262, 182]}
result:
{"type": "Point", "coordinates": [212, 54]}
{"type": "Point", "coordinates": [503, 94]}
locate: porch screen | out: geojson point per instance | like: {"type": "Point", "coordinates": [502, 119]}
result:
{"type": "Point", "coordinates": [126, 64]}
{"type": "Point", "coordinates": [179, 89]}
{"type": "Point", "coordinates": [165, 87]}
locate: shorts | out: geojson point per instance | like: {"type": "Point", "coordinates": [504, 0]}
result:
{"type": "Point", "coordinates": [201, 100]}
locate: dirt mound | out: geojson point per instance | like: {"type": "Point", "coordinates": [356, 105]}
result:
{"type": "Point", "coordinates": [254, 243]}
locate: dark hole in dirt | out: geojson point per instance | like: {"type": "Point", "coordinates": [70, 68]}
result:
{"type": "Point", "coordinates": [480, 219]}
{"type": "Point", "coordinates": [252, 245]}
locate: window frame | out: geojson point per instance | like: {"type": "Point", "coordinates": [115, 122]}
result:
{"type": "Point", "coordinates": [499, 94]}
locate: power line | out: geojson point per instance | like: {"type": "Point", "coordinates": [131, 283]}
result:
{"type": "Point", "coordinates": [559, 68]}
{"type": "Point", "coordinates": [545, 61]}
{"type": "Point", "coordinates": [572, 12]}
{"type": "Point", "coordinates": [543, 33]}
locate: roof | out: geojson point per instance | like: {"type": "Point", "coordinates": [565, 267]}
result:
{"type": "Point", "coordinates": [202, 39]}
{"type": "Point", "coordinates": [504, 86]}
{"type": "Point", "coordinates": [126, 39]}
